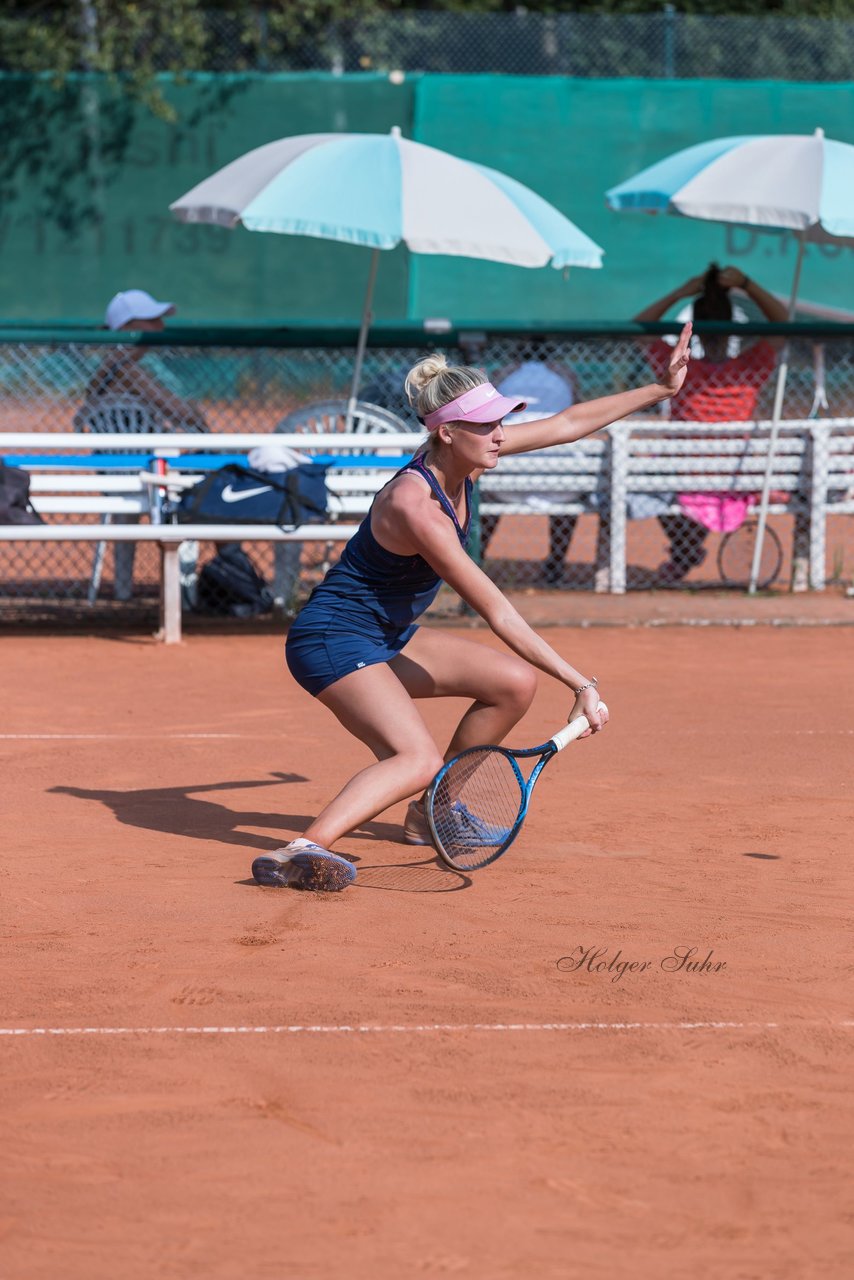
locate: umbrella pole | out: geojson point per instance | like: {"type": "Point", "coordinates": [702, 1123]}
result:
{"type": "Point", "coordinates": [779, 392]}
{"type": "Point", "coordinates": [363, 340]}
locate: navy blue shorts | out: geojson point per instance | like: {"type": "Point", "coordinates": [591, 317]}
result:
{"type": "Point", "coordinates": [316, 659]}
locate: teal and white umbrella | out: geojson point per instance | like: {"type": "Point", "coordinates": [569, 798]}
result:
{"type": "Point", "coordinates": [800, 182]}
{"type": "Point", "coordinates": [803, 183]}
{"type": "Point", "coordinates": [379, 190]}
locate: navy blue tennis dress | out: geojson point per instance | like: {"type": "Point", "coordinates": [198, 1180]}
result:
{"type": "Point", "coordinates": [364, 610]}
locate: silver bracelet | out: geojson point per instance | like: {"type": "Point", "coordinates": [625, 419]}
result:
{"type": "Point", "coordinates": [591, 684]}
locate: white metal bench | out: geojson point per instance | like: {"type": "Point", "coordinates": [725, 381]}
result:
{"type": "Point", "coordinates": [557, 482]}
{"type": "Point", "coordinates": [89, 489]}
{"type": "Point", "coordinates": [814, 464]}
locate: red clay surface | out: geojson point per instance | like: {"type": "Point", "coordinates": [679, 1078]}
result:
{"type": "Point", "coordinates": [715, 812]}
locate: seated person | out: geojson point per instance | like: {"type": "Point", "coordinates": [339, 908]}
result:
{"type": "Point", "coordinates": [720, 387]}
{"type": "Point", "coordinates": [119, 380]}
{"type": "Point", "coordinates": [120, 393]}
{"type": "Point", "coordinates": [547, 389]}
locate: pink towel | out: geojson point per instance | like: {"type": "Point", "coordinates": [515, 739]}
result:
{"type": "Point", "coordinates": [719, 512]}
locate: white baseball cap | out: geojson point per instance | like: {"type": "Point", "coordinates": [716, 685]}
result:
{"type": "Point", "coordinates": [135, 304]}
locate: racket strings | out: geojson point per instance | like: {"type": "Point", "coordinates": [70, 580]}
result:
{"type": "Point", "coordinates": [476, 806]}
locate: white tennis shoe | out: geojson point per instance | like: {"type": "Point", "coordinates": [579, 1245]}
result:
{"type": "Point", "coordinates": [302, 864]}
{"type": "Point", "coordinates": [467, 829]}
{"type": "Point", "coordinates": [415, 829]}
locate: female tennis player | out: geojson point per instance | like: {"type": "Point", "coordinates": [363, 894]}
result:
{"type": "Point", "coordinates": [356, 647]}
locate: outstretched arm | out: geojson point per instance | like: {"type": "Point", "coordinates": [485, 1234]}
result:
{"type": "Point", "coordinates": [583, 419]}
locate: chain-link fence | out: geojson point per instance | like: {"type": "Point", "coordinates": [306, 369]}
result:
{"type": "Point", "coordinates": [689, 507]}
{"type": "Point", "coordinates": [664, 43]}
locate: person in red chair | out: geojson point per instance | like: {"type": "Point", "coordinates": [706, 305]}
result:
{"type": "Point", "coordinates": [721, 387]}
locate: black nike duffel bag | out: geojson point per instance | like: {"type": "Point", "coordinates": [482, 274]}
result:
{"type": "Point", "coordinates": [239, 495]}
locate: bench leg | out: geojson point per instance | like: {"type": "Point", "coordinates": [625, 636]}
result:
{"type": "Point", "coordinates": [602, 569]}
{"type": "Point", "coordinates": [286, 571]}
{"type": "Point", "coordinates": [98, 565]}
{"type": "Point", "coordinates": [97, 570]}
{"type": "Point", "coordinates": [618, 485]}
{"type": "Point", "coordinates": [124, 554]}
{"type": "Point", "coordinates": [817, 521]}
{"type": "Point", "coordinates": [801, 554]}
{"type": "Point", "coordinates": [188, 565]}
{"type": "Point", "coordinates": [170, 594]}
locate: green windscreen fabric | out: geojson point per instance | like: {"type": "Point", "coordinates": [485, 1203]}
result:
{"type": "Point", "coordinates": [87, 175]}
{"type": "Point", "coordinates": [571, 140]}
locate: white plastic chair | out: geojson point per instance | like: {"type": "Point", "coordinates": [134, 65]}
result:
{"type": "Point", "coordinates": [114, 414]}
{"type": "Point", "coordinates": [125, 414]}
{"type": "Point", "coordinates": [107, 414]}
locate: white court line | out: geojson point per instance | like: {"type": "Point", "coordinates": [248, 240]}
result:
{"type": "Point", "coordinates": [416, 1029]}
{"type": "Point", "coordinates": [254, 737]}
{"type": "Point", "coordinates": [122, 737]}
{"type": "Point", "coordinates": [729, 622]}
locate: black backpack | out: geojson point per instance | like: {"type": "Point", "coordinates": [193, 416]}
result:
{"type": "Point", "coordinates": [15, 506]}
{"type": "Point", "coordinates": [231, 586]}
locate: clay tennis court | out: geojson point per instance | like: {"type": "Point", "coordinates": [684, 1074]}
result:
{"type": "Point", "coordinates": [412, 1077]}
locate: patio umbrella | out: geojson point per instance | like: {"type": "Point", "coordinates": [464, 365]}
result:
{"type": "Point", "coordinates": [803, 183]}
{"type": "Point", "coordinates": [378, 190]}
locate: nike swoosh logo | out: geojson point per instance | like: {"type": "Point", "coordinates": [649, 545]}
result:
{"type": "Point", "coordinates": [237, 495]}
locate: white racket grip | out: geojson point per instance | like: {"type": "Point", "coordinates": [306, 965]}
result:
{"type": "Point", "coordinates": [572, 731]}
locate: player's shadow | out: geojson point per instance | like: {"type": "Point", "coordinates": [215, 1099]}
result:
{"type": "Point", "coordinates": [180, 811]}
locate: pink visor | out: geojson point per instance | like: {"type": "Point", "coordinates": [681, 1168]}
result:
{"type": "Point", "coordinates": [481, 404]}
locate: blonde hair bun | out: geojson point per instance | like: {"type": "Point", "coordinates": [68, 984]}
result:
{"type": "Point", "coordinates": [433, 382]}
{"type": "Point", "coordinates": [422, 374]}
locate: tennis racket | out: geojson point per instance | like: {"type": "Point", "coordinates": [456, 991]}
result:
{"type": "Point", "coordinates": [477, 803]}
